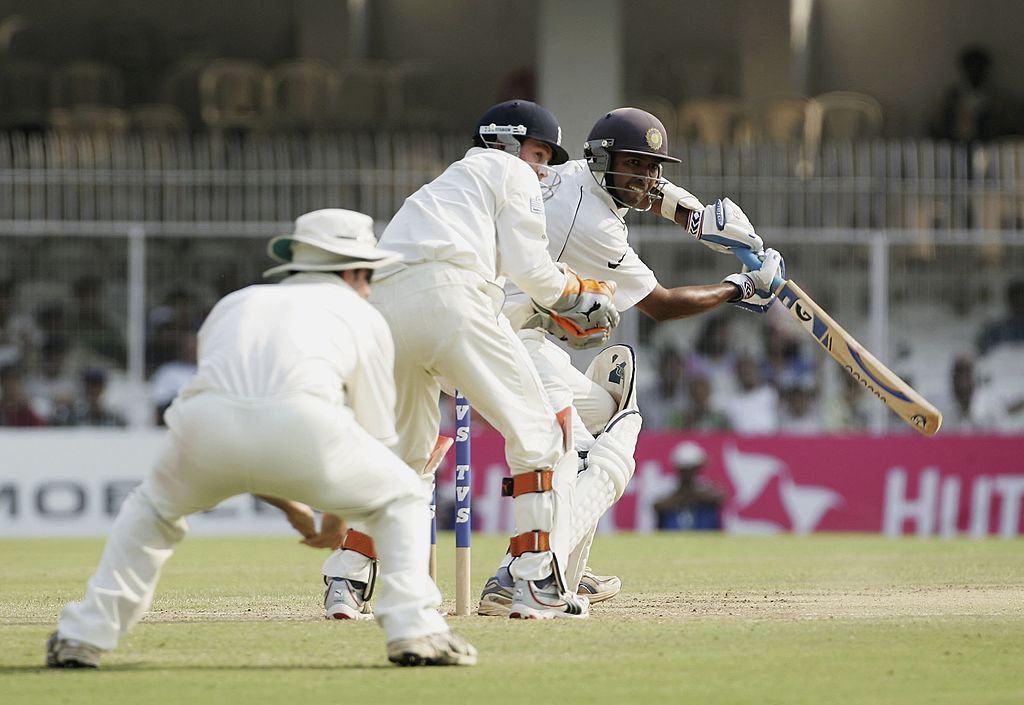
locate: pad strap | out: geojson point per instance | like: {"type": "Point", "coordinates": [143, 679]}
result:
{"type": "Point", "coordinates": [360, 543]}
{"type": "Point", "coordinates": [529, 542]}
{"type": "Point", "coordinates": [527, 482]}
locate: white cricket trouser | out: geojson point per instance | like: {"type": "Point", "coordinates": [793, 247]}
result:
{"type": "Point", "coordinates": [593, 407]}
{"type": "Point", "coordinates": [298, 447]}
{"type": "Point", "coordinates": [446, 323]}
{"type": "Point", "coordinates": [567, 386]}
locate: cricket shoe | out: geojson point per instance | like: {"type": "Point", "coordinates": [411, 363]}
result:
{"type": "Point", "coordinates": [495, 599]}
{"type": "Point", "coordinates": [345, 599]}
{"type": "Point", "coordinates": [441, 649]}
{"type": "Point", "coordinates": [598, 588]}
{"type": "Point", "coordinates": [541, 599]}
{"type": "Point", "coordinates": [71, 653]}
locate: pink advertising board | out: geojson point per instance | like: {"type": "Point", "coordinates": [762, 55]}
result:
{"type": "Point", "coordinates": [942, 486]}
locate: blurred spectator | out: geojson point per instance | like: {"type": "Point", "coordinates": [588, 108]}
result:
{"type": "Point", "coordinates": [88, 409]}
{"type": "Point", "coordinates": [19, 334]}
{"type": "Point", "coordinates": [15, 407]}
{"type": "Point", "coordinates": [89, 327]}
{"type": "Point", "coordinates": [175, 317]}
{"type": "Point", "coordinates": [663, 404]}
{"type": "Point", "coordinates": [173, 375]}
{"type": "Point", "coordinates": [997, 399]}
{"type": "Point", "coordinates": [960, 407]}
{"type": "Point", "coordinates": [754, 408]}
{"type": "Point", "coordinates": [699, 414]}
{"type": "Point", "coordinates": [713, 357]}
{"type": "Point", "coordinates": [971, 107]}
{"type": "Point", "coordinates": [54, 381]}
{"type": "Point", "coordinates": [518, 84]}
{"type": "Point", "coordinates": [52, 320]}
{"type": "Point", "coordinates": [784, 356]}
{"type": "Point", "coordinates": [1009, 329]}
{"type": "Point", "coordinates": [799, 414]}
{"type": "Point", "coordinates": [695, 503]}
{"type": "Point", "coordinates": [847, 411]}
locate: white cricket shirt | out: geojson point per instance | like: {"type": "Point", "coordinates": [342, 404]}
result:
{"type": "Point", "coordinates": [485, 213]}
{"type": "Point", "coordinates": [311, 333]}
{"type": "Point", "coordinates": [586, 231]}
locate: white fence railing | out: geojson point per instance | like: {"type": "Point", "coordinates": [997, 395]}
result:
{"type": "Point", "coordinates": [206, 180]}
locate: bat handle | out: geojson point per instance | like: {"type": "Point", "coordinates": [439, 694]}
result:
{"type": "Point", "coordinates": [748, 258]}
{"type": "Point", "coordinates": [751, 260]}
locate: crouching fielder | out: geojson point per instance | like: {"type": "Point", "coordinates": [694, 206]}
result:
{"type": "Point", "coordinates": [294, 399]}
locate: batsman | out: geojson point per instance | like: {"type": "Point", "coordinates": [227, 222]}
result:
{"type": "Point", "coordinates": [621, 172]}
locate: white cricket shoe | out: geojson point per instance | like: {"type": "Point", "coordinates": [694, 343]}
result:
{"type": "Point", "coordinates": [71, 653]}
{"type": "Point", "coordinates": [495, 599]}
{"type": "Point", "coordinates": [345, 599]}
{"type": "Point", "coordinates": [531, 601]}
{"type": "Point", "coordinates": [442, 649]}
{"type": "Point", "coordinates": [598, 588]}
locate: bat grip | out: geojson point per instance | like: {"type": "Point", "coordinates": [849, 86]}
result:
{"type": "Point", "coordinates": [748, 258]}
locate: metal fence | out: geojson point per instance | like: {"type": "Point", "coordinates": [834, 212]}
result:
{"type": "Point", "coordinates": [118, 245]}
{"type": "Point", "coordinates": [206, 181]}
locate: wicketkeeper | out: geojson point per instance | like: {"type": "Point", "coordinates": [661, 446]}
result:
{"type": "Point", "coordinates": [460, 236]}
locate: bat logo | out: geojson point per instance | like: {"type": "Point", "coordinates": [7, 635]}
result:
{"type": "Point", "coordinates": [919, 421]}
{"type": "Point", "coordinates": [801, 314]}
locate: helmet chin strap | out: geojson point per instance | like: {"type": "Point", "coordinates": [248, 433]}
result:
{"type": "Point", "coordinates": [602, 178]}
{"type": "Point", "coordinates": [599, 161]}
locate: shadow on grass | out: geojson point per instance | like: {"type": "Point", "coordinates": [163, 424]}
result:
{"type": "Point", "coordinates": [143, 667]}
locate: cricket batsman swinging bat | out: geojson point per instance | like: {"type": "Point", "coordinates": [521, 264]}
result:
{"type": "Point", "coordinates": [858, 362]}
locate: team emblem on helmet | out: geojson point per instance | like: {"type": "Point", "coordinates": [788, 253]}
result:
{"type": "Point", "coordinates": [654, 138]}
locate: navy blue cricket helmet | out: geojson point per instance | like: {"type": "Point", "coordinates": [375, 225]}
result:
{"type": "Point", "coordinates": [519, 119]}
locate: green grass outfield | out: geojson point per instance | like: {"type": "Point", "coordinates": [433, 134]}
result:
{"type": "Point", "coordinates": [824, 619]}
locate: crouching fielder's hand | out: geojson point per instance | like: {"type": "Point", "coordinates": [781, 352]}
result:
{"type": "Point", "coordinates": [583, 316]}
{"type": "Point", "coordinates": [761, 276]}
{"type": "Point", "coordinates": [331, 534]}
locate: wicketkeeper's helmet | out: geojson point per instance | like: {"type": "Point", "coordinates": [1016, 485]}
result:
{"type": "Point", "coordinates": [515, 120]}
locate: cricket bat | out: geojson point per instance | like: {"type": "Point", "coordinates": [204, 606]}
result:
{"type": "Point", "coordinates": [864, 367]}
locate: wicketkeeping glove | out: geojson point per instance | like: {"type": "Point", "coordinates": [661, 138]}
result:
{"type": "Point", "coordinates": [583, 316]}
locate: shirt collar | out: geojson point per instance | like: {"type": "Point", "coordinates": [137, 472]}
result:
{"type": "Point", "coordinates": [316, 278]}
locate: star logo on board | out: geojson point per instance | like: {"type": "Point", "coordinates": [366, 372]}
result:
{"type": "Point", "coordinates": [764, 479]}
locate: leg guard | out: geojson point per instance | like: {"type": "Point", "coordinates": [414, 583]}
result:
{"type": "Point", "coordinates": [542, 507]}
{"type": "Point", "coordinates": [610, 467]}
{"type": "Point", "coordinates": [614, 370]}
{"type": "Point", "coordinates": [355, 560]}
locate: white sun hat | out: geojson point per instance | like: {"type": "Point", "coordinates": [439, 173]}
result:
{"type": "Point", "coordinates": [329, 240]}
{"type": "Point", "coordinates": [688, 455]}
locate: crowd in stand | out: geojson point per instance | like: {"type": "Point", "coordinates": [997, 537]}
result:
{"type": "Point", "coordinates": [56, 365]}
{"type": "Point", "coordinates": [788, 387]}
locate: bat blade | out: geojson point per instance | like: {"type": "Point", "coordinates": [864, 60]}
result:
{"type": "Point", "coordinates": [858, 362]}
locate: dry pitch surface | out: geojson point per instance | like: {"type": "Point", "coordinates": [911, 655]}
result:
{"type": "Point", "coordinates": [702, 619]}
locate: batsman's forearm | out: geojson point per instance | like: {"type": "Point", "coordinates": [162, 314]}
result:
{"type": "Point", "coordinates": [679, 302]}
